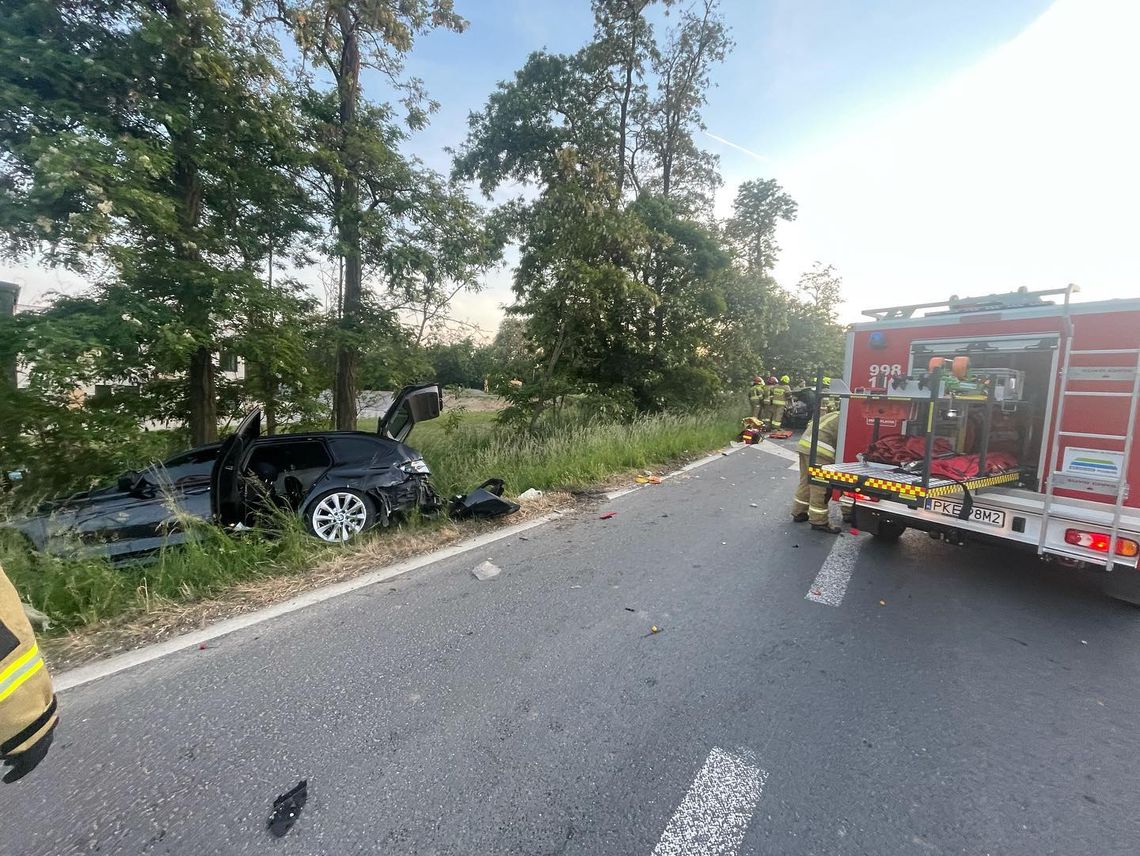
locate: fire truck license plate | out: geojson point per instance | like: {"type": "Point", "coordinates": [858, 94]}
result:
{"type": "Point", "coordinates": [988, 516]}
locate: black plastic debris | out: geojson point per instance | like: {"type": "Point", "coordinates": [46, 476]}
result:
{"type": "Point", "coordinates": [287, 807]}
{"type": "Point", "coordinates": [485, 501]}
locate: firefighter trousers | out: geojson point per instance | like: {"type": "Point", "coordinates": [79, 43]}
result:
{"type": "Point", "coordinates": [811, 499]}
{"type": "Point", "coordinates": [774, 414]}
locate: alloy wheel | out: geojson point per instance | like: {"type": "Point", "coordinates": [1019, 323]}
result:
{"type": "Point", "coordinates": [339, 517]}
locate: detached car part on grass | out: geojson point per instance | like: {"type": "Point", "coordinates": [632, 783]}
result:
{"type": "Point", "coordinates": [339, 482]}
{"type": "Point", "coordinates": [485, 501]}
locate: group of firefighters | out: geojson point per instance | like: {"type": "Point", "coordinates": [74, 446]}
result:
{"type": "Point", "coordinates": [768, 398]}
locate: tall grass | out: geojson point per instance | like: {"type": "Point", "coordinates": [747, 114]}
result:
{"type": "Point", "coordinates": [573, 453]}
{"type": "Point", "coordinates": [570, 454]}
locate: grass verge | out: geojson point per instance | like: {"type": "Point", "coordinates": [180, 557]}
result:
{"type": "Point", "coordinates": [249, 571]}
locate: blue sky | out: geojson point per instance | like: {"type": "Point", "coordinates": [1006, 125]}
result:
{"type": "Point", "coordinates": [801, 68]}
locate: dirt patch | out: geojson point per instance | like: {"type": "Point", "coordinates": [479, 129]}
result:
{"type": "Point", "coordinates": [474, 400]}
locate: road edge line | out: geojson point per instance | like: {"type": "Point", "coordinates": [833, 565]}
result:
{"type": "Point", "coordinates": [700, 462]}
{"type": "Point", "coordinates": [130, 659]}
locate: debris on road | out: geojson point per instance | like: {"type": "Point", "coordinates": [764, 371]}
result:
{"type": "Point", "coordinates": [630, 609]}
{"type": "Point", "coordinates": [648, 480]}
{"type": "Point", "coordinates": [287, 808]}
{"type": "Point", "coordinates": [529, 494]}
{"type": "Point", "coordinates": [753, 505]}
{"type": "Point", "coordinates": [882, 603]}
{"type": "Point", "coordinates": [485, 571]}
{"type": "Point", "coordinates": [654, 629]}
{"type": "Point", "coordinates": [607, 515]}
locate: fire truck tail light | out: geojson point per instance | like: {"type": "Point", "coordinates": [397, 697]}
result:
{"type": "Point", "coordinates": [1098, 541]}
{"type": "Point", "coordinates": [855, 496]}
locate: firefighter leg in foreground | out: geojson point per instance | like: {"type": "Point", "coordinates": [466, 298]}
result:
{"type": "Point", "coordinates": [27, 705]}
{"type": "Point", "coordinates": [810, 503]}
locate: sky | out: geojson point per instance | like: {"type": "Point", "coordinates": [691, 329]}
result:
{"type": "Point", "coordinates": [934, 148]}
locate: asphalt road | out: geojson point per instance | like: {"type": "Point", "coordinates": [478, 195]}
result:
{"type": "Point", "coordinates": [955, 700]}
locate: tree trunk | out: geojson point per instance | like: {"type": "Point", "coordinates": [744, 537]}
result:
{"type": "Point", "coordinates": [625, 115]}
{"type": "Point", "coordinates": [348, 226]}
{"type": "Point", "coordinates": [203, 398]}
{"type": "Point", "coordinates": [201, 392]}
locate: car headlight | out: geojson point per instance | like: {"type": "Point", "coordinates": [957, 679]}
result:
{"type": "Point", "coordinates": [416, 466]}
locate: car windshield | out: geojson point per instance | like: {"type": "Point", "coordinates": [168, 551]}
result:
{"type": "Point", "coordinates": [185, 468]}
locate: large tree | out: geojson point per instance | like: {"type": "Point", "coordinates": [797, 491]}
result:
{"type": "Point", "coordinates": [621, 277]}
{"type": "Point", "coordinates": [143, 144]}
{"type": "Point", "coordinates": [360, 169]}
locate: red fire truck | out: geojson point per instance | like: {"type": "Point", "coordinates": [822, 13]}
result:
{"type": "Point", "coordinates": [1008, 417]}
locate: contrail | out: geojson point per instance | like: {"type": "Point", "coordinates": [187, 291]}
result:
{"type": "Point", "coordinates": [733, 145]}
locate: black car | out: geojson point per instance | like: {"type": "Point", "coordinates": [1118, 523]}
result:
{"type": "Point", "coordinates": [340, 482]}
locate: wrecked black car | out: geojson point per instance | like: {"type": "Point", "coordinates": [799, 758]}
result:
{"type": "Point", "coordinates": [340, 483]}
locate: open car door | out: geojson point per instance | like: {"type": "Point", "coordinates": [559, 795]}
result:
{"type": "Point", "coordinates": [225, 477]}
{"type": "Point", "coordinates": [415, 403]}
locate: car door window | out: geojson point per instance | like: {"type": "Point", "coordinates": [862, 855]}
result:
{"type": "Point", "coordinates": [273, 463]}
{"type": "Point", "coordinates": [353, 450]}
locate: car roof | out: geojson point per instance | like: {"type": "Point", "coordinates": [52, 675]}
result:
{"type": "Point", "coordinates": [284, 438]}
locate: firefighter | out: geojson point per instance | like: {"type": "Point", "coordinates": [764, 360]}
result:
{"type": "Point", "coordinates": [756, 396]}
{"type": "Point", "coordinates": [811, 500]}
{"type": "Point", "coordinates": [778, 392]}
{"type": "Point", "coordinates": [27, 704]}
{"type": "Point", "coordinates": [828, 404]}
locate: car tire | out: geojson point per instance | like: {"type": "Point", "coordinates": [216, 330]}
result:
{"type": "Point", "coordinates": [338, 516]}
{"type": "Point", "coordinates": [889, 531]}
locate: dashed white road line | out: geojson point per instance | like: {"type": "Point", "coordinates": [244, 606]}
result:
{"type": "Point", "coordinates": [714, 815]}
{"type": "Point", "coordinates": [830, 583]}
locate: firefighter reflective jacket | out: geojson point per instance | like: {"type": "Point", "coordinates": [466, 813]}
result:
{"type": "Point", "coordinates": [27, 704]}
{"type": "Point", "coordinates": [778, 394]}
{"type": "Point", "coordinates": [756, 393]}
{"type": "Point", "coordinates": [828, 435]}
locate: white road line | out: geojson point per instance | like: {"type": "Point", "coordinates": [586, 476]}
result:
{"type": "Point", "coordinates": [190, 641]}
{"type": "Point", "coordinates": [830, 583]}
{"type": "Point", "coordinates": [700, 462]}
{"type": "Point", "coordinates": [714, 815]}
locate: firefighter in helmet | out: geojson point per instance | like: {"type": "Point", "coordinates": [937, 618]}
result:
{"type": "Point", "coordinates": [810, 503]}
{"type": "Point", "coordinates": [27, 704]}
{"type": "Point", "coordinates": [756, 396]}
{"type": "Point", "coordinates": [776, 401]}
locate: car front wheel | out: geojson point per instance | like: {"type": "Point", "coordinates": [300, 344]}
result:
{"type": "Point", "coordinates": [339, 515]}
